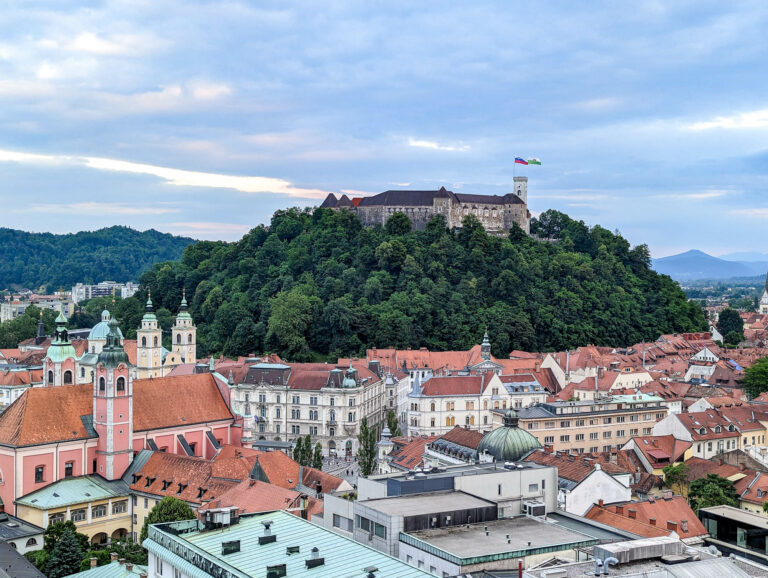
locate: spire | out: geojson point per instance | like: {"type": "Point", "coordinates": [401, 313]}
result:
{"type": "Point", "coordinates": [113, 353]}
{"type": "Point", "coordinates": [61, 328]}
{"type": "Point", "coordinates": [183, 306]}
{"type": "Point", "coordinates": [485, 347]}
{"type": "Point", "coordinates": [510, 418]}
{"type": "Point", "coordinates": [150, 308]}
{"type": "Point", "coordinates": [40, 330]}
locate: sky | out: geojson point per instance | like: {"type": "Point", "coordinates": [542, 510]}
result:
{"type": "Point", "coordinates": [203, 118]}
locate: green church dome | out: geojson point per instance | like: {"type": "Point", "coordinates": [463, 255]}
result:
{"type": "Point", "coordinates": [508, 443]}
{"type": "Point", "coordinates": [101, 329]}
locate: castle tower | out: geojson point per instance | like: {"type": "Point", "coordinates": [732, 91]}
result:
{"type": "Point", "coordinates": [485, 347]}
{"type": "Point", "coordinates": [113, 408]}
{"type": "Point", "coordinates": [763, 307]}
{"type": "Point", "coordinates": [184, 334]}
{"type": "Point", "coordinates": [149, 345]}
{"type": "Point", "coordinates": [60, 365]}
{"type": "Point", "coordinates": [521, 188]}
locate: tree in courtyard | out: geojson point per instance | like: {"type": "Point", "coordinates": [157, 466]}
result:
{"type": "Point", "coordinates": [366, 453]}
{"type": "Point", "coordinates": [298, 450]}
{"type": "Point", "coordinates": [392, 424]}
{"type": "Point", "coordinates": [66, 556]}
{"type": "Point", "coordinates": [676, 477]}
{"type": "Point", "coordinates": [755, 380]}
{"type": "Point", "coordinates": [712, 491]}
{"type": "Point", "coordinates": [169, 509]}
{"type": "Point", "coordinates": [730, 320]}
{"type": "Point", "coordinates": [317, 457]}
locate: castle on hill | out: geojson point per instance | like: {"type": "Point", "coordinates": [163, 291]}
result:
{"type": "Point", "coordinates": [497, 213]}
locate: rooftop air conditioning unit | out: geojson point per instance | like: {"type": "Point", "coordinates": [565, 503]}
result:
{"type": "Point", "coordinates": [534, 509]}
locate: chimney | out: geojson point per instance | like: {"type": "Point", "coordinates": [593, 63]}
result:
{"type": "Point", "coordinates": [652, 521]}
{"type": "Point", "coordinates": [742, 467]}
{"type": "Point", "coordinates": [668, 495]}
{"type": "Point", "coordinates": [94, 561]}
{"type": "Point", "coordinates": [113, 556]}
{"type": "Point", "coordinates": [632, 513]}
{"type": "Point", "coordinates": [671, 525]}
{"type": "Point", "coordinates": [620, 510]}
{"type": "Point", "coordinates": [655, 442]}
{"type": "Point", "coordinates": [600, 502]}
{"type": "Point", "coordinates": [142, 575]}
{"type": "Point", "coordinates": [129, 566]}
{"type": "Point", "coordinates": [121, 561]}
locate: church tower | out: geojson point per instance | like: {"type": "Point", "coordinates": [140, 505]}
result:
{"type": "Point", "coordinates": [113, 408]}
{"type": "Point", "coordinates": [149, 345]}
{"type": "Point", "coordinates": [184, 334]}
{"type": "Point", "coordinates": [485, 347]}
{"type": "Point", "coordinates": [763, 307]}
{"type": "Point", "coordinates": [60, 366]}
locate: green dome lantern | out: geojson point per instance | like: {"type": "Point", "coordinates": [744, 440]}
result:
{"type": "Point", "coordinates": [113, 353]}
{"type": "Point", "coordinates": [508, 443]}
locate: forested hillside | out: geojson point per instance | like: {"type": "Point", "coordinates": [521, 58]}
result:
{"type": "Point", "coordinates": [116, 253]}
{"type": "Point", "coordinates": [316, 283]}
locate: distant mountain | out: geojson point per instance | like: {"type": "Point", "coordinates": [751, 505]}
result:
{"type": "Point", "coordinates": [116, 253]}
{"type": "Point", "coordinates": [696, 264]}
{"type": "Point", "coordinates": [750, 256]}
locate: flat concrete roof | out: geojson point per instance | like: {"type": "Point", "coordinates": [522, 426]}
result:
{"type": "Point", "coordinates": [460, 470]}
{"type": "Point", "coordinates": [429, 503]}
{"type": "Point", "coordinates": [524, 534]}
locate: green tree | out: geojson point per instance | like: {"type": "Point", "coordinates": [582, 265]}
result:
{"type": "Point", "coordinates": [306, 456]}
{"type": "Point", "coordinates": [398, 224]}
{"type": "Point", "coordinates": [393, 424]}
{"type": "Point", "coordinates": [676, 477]}
{"type": "Point", "coordinates": [366, 452]}
{"type": "Point", "coordinates": [298, 450]}
{"type": "Point", "coordinates": [169, 509]}
{"type": "Point", "coordinates": [317, 457]}
{"type": "Point", "coordinates": [293, 313]}
{"type": "Point", "coordinates": [730, 320]}
{"type": "Point", "coordinates": [65, 556]}
{"type": "Point", "coordinates": [712, 491]}
{"type": "Point", "coordinates": [755, 380]}
{"type": "Point", "coordinates": [127, 549]}
{"type": "Point", "coordinates": [733, 338]}
{"type": "Point", "coordinates": [54, 532]}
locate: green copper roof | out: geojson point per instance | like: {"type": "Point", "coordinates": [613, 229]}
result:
{"type": "Point", "coordinates": [61, 348]}
{"type": "Point", "coordinates": [112, 570]}
{"type": "Point", "coordinates": [100, 331]}
{"type": "Point", "coordinates": [71, 491]}
{"type": "Point", "coordinates": [508, 443]}
{"type": "Point", "coordinates": [113, 353]}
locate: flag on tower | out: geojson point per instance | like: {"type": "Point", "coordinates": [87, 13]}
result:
{"type": "Point", "coordinates": [534, 161]}
{"type": "Point", "coordinates": [520, 161]}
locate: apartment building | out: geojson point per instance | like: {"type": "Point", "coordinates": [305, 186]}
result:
{"type": "Point", "coordinates": [281, 402]}
{"type": "Point", "coordinates": [591, 426]}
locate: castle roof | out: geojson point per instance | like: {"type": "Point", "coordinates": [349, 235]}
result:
{"type": "Point", "coordinates": [401, 198]}
{"type": "Point", "coordinates": [43, 415]}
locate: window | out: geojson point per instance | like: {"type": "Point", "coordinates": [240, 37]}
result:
{"type": "Point", "coordinates": [102, 384]}
{"type": "Point", "coordinates": [661, 416]}
{"type": "Point", "coordinates": [189, 338]}
{"type": "Point", "coordinates": [342, 522]}
{"type": "Point", "coordinates": [67, 377]}
{"type": "Point", "coordinates": [158, 566]}
{"type": "Point", "coordinates": [277, 429]}
{"type": "Point", "coordinates": [53, 518]}
{"type": "Point", "coordinates": [709, 446]}
{"type": "Point", "coordinates": [68, 469]}
{"type": "Point", "coordinates": [607, 420]}
{"type": "Point", "coordinates": [176, 573]}
{"type": "Point", "coordinates": [277, 398]}
{"type": "Point", "coordinates": [633, 432]}
{"type": "Point", "coordinates": [143, 341]}
{"type": "Point", "coordinates": [120, 507]}
{"type": "Point", "coordinates": [647, 416]}
{"type": "Point", "coordinates": [120, 384]}
{"type": "Point", "coordinates": [50, 378]}
{"type": "Point", "coordinates": [432, 422]}
{"type": "Point", "coordinates": [351, 402]}
{"type": "Point", "coordinates": [154, 341]}
{"type": "Point", "coordinates": [549, 424]}
{"type": "Point", "coordinates": [296, 400]}
{"type": "Point", "coordinates": [564, 439]}
{"type": "Point", "coordinates": [579, 423]}
{"type": "Point", "coordinates": [313, 415]}
{"type": "Point", "coordinates": [135, 500]}
{"type": "Point", "coordinates": [146, 502]}
{"type": "Point", "coordinates": [351, 416]}
{"type": "Point", "coordinates": [332, 416]}
{"type": "Point", "coordinates": [432, 406]}
{"type": "Point", "coordinates": [178, 338]}
{"type": "Point", "coordinates": [380, 531]}
{"type": "Point", "coordinates": [277, 413]}
{"type": "Point", "coordinates": [606, 435]}
{"type": "Point", "coordinates": [621, 418]}
{"type": "Point", "coordinates": [82, 372]}
{"type": "Point", "coordinates": [549, 439]}
{"type": "Point", "coordinates": [39, 474]}
{"type": "Point", "coordinates": [295, 414]}
{"type": "Point", "coordinates": [31, 542]}
{"type": "Point", "coordinates": [593, 435]}
{"type": "Point", "coordinates": [263, 411]}
{"type": "Point", "coordinates": [620, 433]}
{"type": "Point", "coordinates": [313, 430]}
{"type": "Point", "coordinates": [99, 511]}
{"type": "Point", "coordinates": [579, 437]}
{"type": "Point", "coordinates": [313, 400]}
{"type": "Point", "coordinates": [634, 417]}
{"type": "Point", "coordinates": [295, 429]}
{"type": "Point", "coordinates": [646, 431]}
{"type": "Point", "coordinates": [262, 398]}
{"type": "Point", "coordinates": [331, 431]}
{"type": "Point", "coordinates": [565, 424]}
{"type": "Point", "coordinates": [77, 515]}
{"type": "Point", "coordinates": [470, 405]}
{"type": "Point", "coordinates": [533, 488]}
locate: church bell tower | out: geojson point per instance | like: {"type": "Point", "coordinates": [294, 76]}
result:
{"type": "Point", "coordinates": [184, 334]}
{"type": "Point", "coordinates": [149, 345]}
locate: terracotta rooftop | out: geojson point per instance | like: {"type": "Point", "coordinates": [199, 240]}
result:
{"type": "Point", "coordinates": [648, 517]}
{"type": "Point", "coordinates": [459, 385]}
{"type": "Point", "coordinates": [184, 477]}
{"type": "Point", "coordinates": [574, 467]}
{"type": "Point", "coordinates": [464, 437]}
{"type": "Point", "coordinates": [255, 496]}
{"type": "Point", "coordinates": [51, 414]}
{"type": "Point", "coordinates": [408, 453]}
{"type": "Point", "coordinates": [661, 451]}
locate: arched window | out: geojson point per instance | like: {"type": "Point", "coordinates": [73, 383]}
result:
{"type": "Point", "coordinates": [102, 384]}
{"type": "Point", "coordinates": [277, 413]}
{"type": "Point", "coordinates": [50, 378]}
{"type": "Point", "coordinates": [120, 384]}
{"type": "Point", "coordinates": [68, 377]}
{"type": "Point", "coordinates": [447, 421]}
{"type": "Point", "coordinates": [82, 372]}
{"type": "Point", "coordinates": [189, 338]}
{"type": "Point", "coordinates": [453, 421]}
{"type": "Point", "coordinates": [432, 406]}
{"type": "Point", "coordinates": [143, 341]}
{"type": "Point", "coordinates": [332, 415]}
{"type": "Point", "coordinates": [31, 542]}
{"type": "Point", "coordinates": [178, 338]}
{"type": "Point", "coordinates": [485, 404]}
{"type": "Point", "coordinates": [154, 341]}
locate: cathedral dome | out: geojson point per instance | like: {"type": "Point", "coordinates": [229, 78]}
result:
{"type": "Point", "coordinates": [113, 353]}
{"type": "Point", "coordinates": [508, 443]}
{"type": "Point", "coordinates": [100, 331]}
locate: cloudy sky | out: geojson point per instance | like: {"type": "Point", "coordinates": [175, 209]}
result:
{"type": "Point", "coordinates": [202, 118]}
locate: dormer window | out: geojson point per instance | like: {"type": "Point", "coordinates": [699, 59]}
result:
{"type": "Point", "coordinates": [718, 429]}
{"type": "Point", "coordinates": [731, 428]}
{"type": "Point", "coordinates": [702, 431]}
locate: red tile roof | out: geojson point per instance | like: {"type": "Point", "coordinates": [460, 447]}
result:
{"type": "Point", "coordinates": [575, 467]}
{"type": "Point", "coordinates": [458, 385]}
{"type": "Point", "coordinates": [184, 477]}
{"type": "Point", "coordinates": [255, 496]}
{"type": "Point", "coordinates": [661, 450]}
{"type": "Point", "coordinates": [648, 517]}
{"type": "Point", "coordinates": [464, 437]}
{"type": "Point", "coordinates": [409, 452]}
{"type": "Point", "coordinates": [51, 414]}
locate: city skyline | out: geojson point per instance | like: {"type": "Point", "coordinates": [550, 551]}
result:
{"type": "Point", "coordinates": [202, 120]}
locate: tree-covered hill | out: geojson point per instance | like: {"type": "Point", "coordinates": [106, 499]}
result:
{"type": "Point", "coordinates": [115, 253]}
{"type": "Point", "coordinates": [318, 283]}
